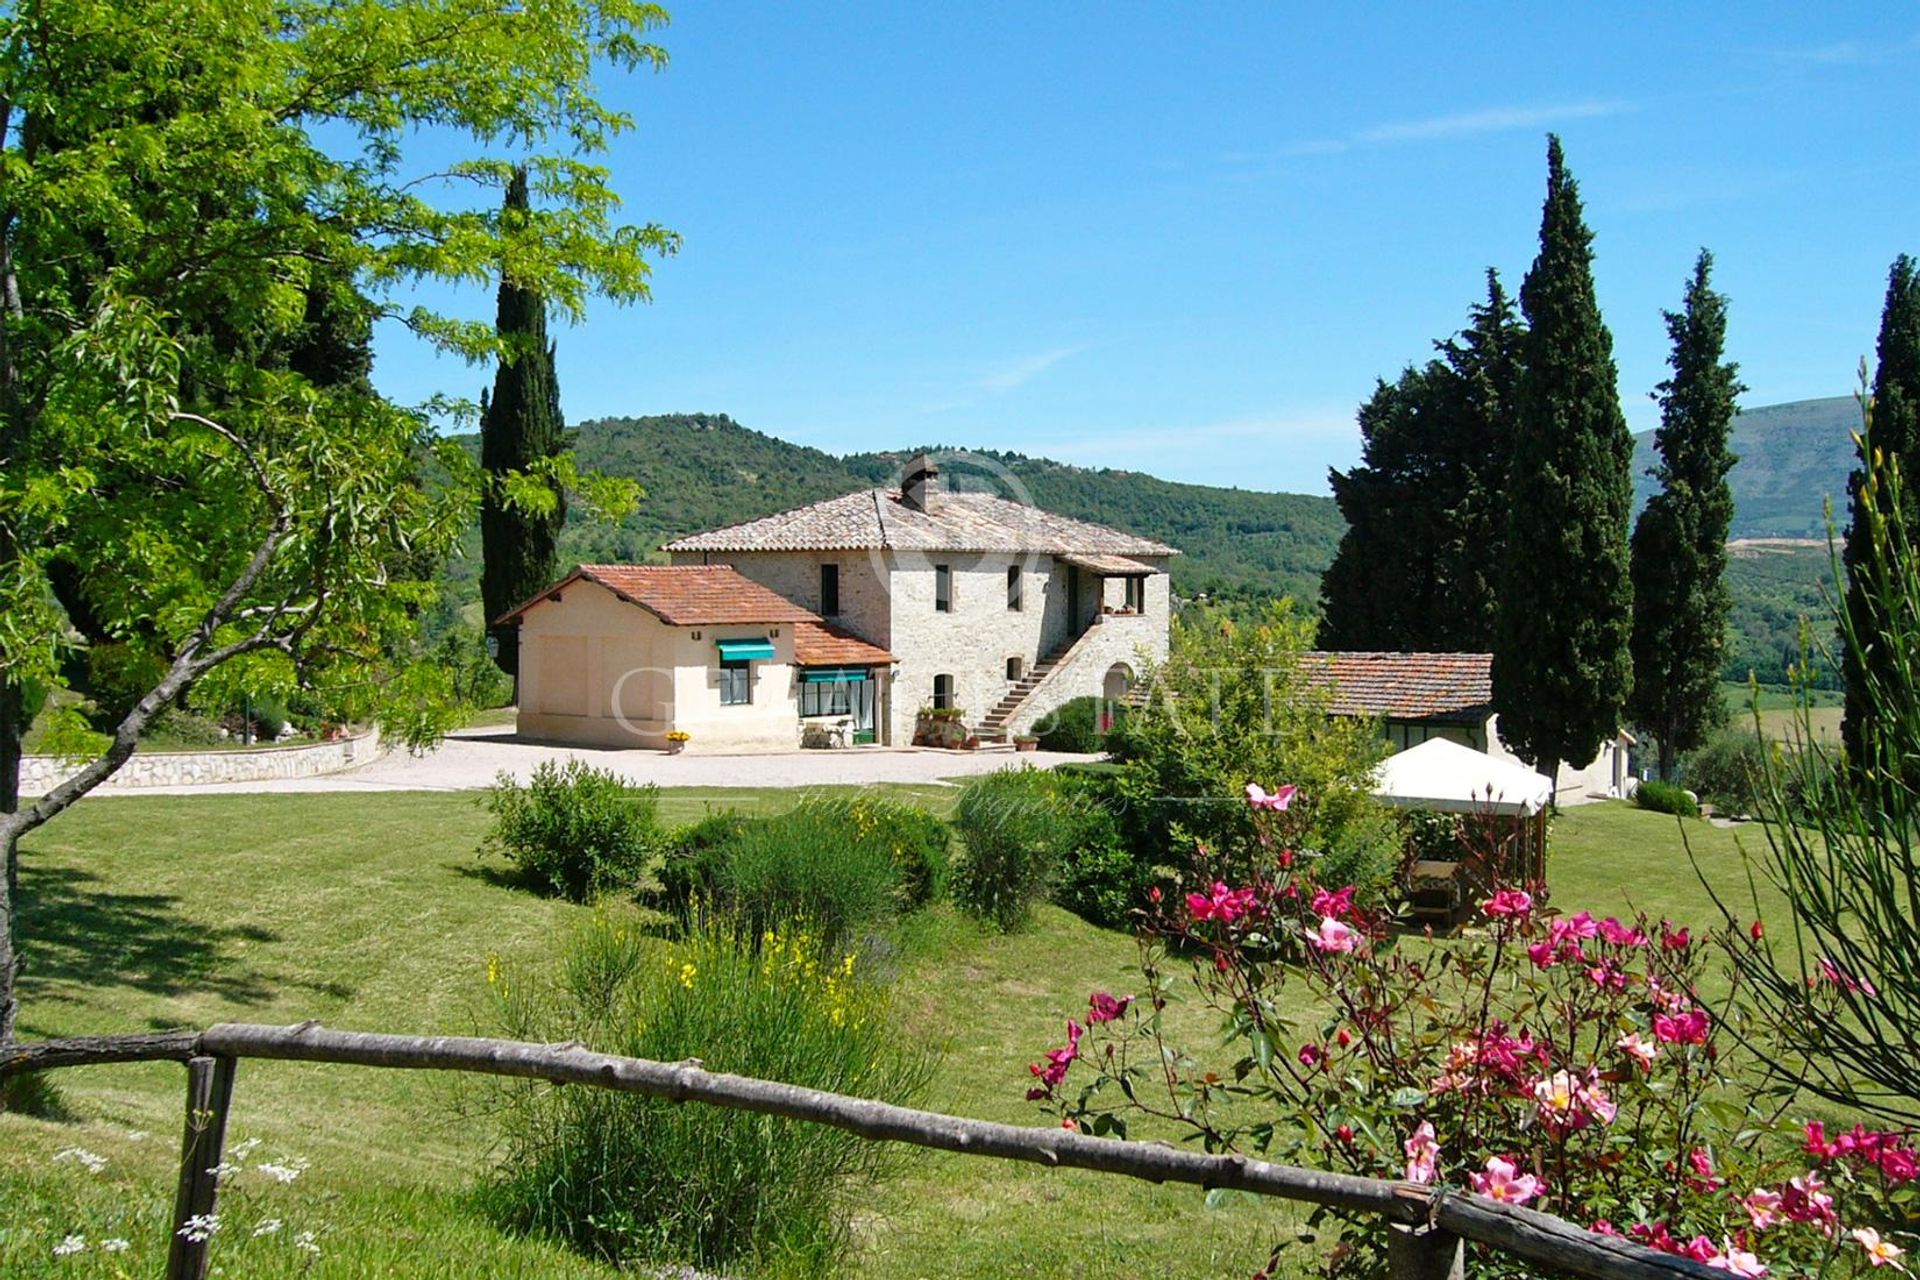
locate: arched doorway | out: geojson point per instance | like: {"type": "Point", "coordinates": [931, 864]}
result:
{"type": "Point", "coordinates": [1113, 691]}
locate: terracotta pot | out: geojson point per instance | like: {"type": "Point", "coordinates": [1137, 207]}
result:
{"type": "Point", "coordinates": [1026, 746]}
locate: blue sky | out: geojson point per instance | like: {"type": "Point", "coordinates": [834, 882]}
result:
{"type": "Point", "coordinates": [1186, 239]}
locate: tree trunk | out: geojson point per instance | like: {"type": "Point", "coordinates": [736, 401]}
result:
{"type": "Point", "coordinates": [12, 730]}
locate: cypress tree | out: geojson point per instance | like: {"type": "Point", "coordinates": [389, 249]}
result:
{"type": "Point", "coordinates": [1680, 599]}
{"type": "Point", "coordinates": [1561, 667]}
{"type": "Point", "coordinates": [1411, 573]}
{"type": "Point", "coordinates": [1894, 434]}
{"type": "Point", "coordinates": [520, 426]}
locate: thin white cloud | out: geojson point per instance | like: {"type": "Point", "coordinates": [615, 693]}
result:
{"type": "Point", "coordinates": [1450, 127]}
{"type": "Point", "coordinates": [1468, 124]}
{"type": "Point", "coordinates": [1845, 53]}
{"type": "Point", "coordinates": [1019, 372]}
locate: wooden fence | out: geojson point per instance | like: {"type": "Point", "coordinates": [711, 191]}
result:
{"type": "Point", "coordinates": [1429, 1223]}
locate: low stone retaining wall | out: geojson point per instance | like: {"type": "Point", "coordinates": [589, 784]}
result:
{"type": "Point", "coordinates": [40, 774]}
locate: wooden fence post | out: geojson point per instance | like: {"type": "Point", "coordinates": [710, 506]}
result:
{"type": "Point", "coordinates": [209, 1094]}
{"type": "Point", "coordinates": [1423, 1253]}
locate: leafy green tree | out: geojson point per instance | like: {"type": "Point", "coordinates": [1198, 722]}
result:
{"type": "Point", "coordinates": [1892, 434]}
{"type": "Point", "coordinates": [1414, 570]}
{"type": "Point", "coordinates": [183, 411]}
{"type": "Point", "coordinates": [1381, 589]}
{"type": "Point", "coordinates": [1681, 603]}
{"type": "Point", "coordinates": [521, 430]}
{"type": "Point", "coordinates": [1561, 666]}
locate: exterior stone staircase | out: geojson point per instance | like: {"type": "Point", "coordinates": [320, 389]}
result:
{"type": "Point", "coordinates": [994, 727]}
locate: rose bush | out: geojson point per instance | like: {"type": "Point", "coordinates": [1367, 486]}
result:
{"type": "Point", "coordinates": [1572, 1064]}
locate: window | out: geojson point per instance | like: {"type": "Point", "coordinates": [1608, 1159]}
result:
{"type": "Point", "coordinates": [736, 682]}
{"type": "Point", "coordinates": [826, 698]}
{"type": "Point", "coordinates": [943, 693]}
{"type": "Point", "coordinates": [942, 589]}
{"type": "Point", "coordinates": [1013, 588]}
{"type": "Point", "coordinates": [829, 589]}
{"type": "Point", "coordinates": [1137, 595]}
{"type": "Point", "coordinates": [1013, 668]}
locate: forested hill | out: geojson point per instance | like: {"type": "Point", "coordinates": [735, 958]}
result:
{"type": "Point", "coordinates": [1793, 457]}
{"type": "Point", "coordinates": [705, 470]}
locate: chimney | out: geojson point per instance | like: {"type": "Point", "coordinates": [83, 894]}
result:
{"type": "Point", "coordinates": [917, 482]}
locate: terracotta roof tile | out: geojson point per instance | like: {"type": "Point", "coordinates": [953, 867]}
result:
{"type": "Point", "coordinates": [1405, 686]}
{"type": "Point", "coordinates": [957, 522]}
{"type": "Point", "coordinates": [821, 644]}
{"type": "Point", "coordinates": [689, 595]}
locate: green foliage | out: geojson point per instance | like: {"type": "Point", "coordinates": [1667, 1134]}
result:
{"type": "Point", "coordinates": [1232, 706]}
{"type": "Point", "coordinates": [573, 830]}
{"type": "Point", "coordinates": [477, 682]}
{"type": "Point", "coordinates": [646, 1180]}
{"type": "Point", "coordinates": [1075, 725]}
{"type": "Point", "coordinates": [1666, 797]}
{"type": "Point", "coordinates": [1726, 770]}
{"type": "Point", "coordinates": [1561, 665]}
{"type": "Point", "coordinates": [1681, 603]}
{"type": "Point", "coordinates": [1838, 977]}
{"type": "Point", "coordinates": [1888, 445]}
{"type": "Point", "coordinates": [845, 866]}
{"type": "Point", "coordinates": [1028, 832]}
{"type": "Point", "coordinates": [118, 676]}
{"type": "Point", "coordinates": [1415, 568]}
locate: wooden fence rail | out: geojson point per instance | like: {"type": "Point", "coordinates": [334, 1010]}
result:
{"type": "Point", "coordinates": [1429, 1222]}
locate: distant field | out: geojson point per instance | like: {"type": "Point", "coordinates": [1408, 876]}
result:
{"type": "Point", "coordinates": [1776, 704]}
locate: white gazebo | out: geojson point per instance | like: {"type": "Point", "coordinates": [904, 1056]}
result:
{"type": "Point", "coordinates": [1445, 777]}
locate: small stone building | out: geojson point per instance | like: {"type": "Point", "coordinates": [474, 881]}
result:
{"type": "Point", "coordinates": [1417, 697]}
{"type": "Point", "coordinates": [989, 608]}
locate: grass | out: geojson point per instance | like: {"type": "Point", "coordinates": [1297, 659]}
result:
{"type": "Point", "coordinates": [373, 912]}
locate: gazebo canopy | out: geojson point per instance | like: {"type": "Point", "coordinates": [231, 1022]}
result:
{"type": "Point", "coordinates": [1443, 775]}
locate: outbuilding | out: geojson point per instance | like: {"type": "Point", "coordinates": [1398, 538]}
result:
{"type": "Point", "coordinates": [637, 655]}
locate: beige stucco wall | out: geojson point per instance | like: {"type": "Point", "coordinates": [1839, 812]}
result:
{"type": "Point", "coordinates": [597, 671]}
{"type": "Point", "coordinates": [1603, 776]}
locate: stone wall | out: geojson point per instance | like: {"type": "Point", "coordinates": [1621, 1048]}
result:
{"type": "Point", "coordinates": [40, 774]}
{"type": "Point", "coordinates": [1115, 639]}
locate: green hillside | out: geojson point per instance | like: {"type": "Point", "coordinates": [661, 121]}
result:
{"type": "Point", "coordinates": [1793, 457]}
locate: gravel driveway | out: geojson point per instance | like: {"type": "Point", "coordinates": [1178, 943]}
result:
{"type": "Point", "coordinates": [470, 759]}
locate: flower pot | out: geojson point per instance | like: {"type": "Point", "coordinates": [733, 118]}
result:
{"type": "Point", "coordinates": [675, 748]}
{"type": "Point", "coordinates": [1031, 744]}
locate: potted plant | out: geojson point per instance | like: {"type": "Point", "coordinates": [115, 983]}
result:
{"type": "Point", "coordinates": [677, 741]}
{"type": "Point", "coordinates": [1025, 742]}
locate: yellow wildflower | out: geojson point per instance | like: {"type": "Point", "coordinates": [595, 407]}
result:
{"type": "Point", "coordinates": [687, 971]}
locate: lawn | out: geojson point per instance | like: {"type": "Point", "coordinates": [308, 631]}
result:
{"type": "Point", "coordinates": [374, 912]}
{"type": "Point", "coordinates": [1777, 705]}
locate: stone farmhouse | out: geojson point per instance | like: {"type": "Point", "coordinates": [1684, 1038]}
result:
{"type": "Point", "coordinates": [1417, 697]}
{"type": "Point", "coordinates": [842, 621]}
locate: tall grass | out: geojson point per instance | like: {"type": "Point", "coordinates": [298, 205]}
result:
{"type": "Point", "coordinates": [633, 1179]}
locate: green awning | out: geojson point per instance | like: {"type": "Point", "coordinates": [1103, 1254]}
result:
{"type": "Point", "coordinates": [734, 650]}
{"type": "Point", "coordinates": [831, 675]}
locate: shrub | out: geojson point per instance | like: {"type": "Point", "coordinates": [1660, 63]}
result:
{"type": "Point", "coordinates": [1665, 797]}
{"type": "Point", "coordinates": [636, 1179]}
{"type": "Point", "coordinates": [477, 680]}
{"type": "Point", "coordinates": [1076, 726]}
{"type": "Point", "coordinates": [1724, 770]}
{"type": "Point", "coordinates": [1555, 1059]}
{"type": "Point", "coordinates": [1026, 831]}
{"type": "Point", "coordinates": [573, 830]}
{"type": "Point", "coordinates": [844, 865]}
